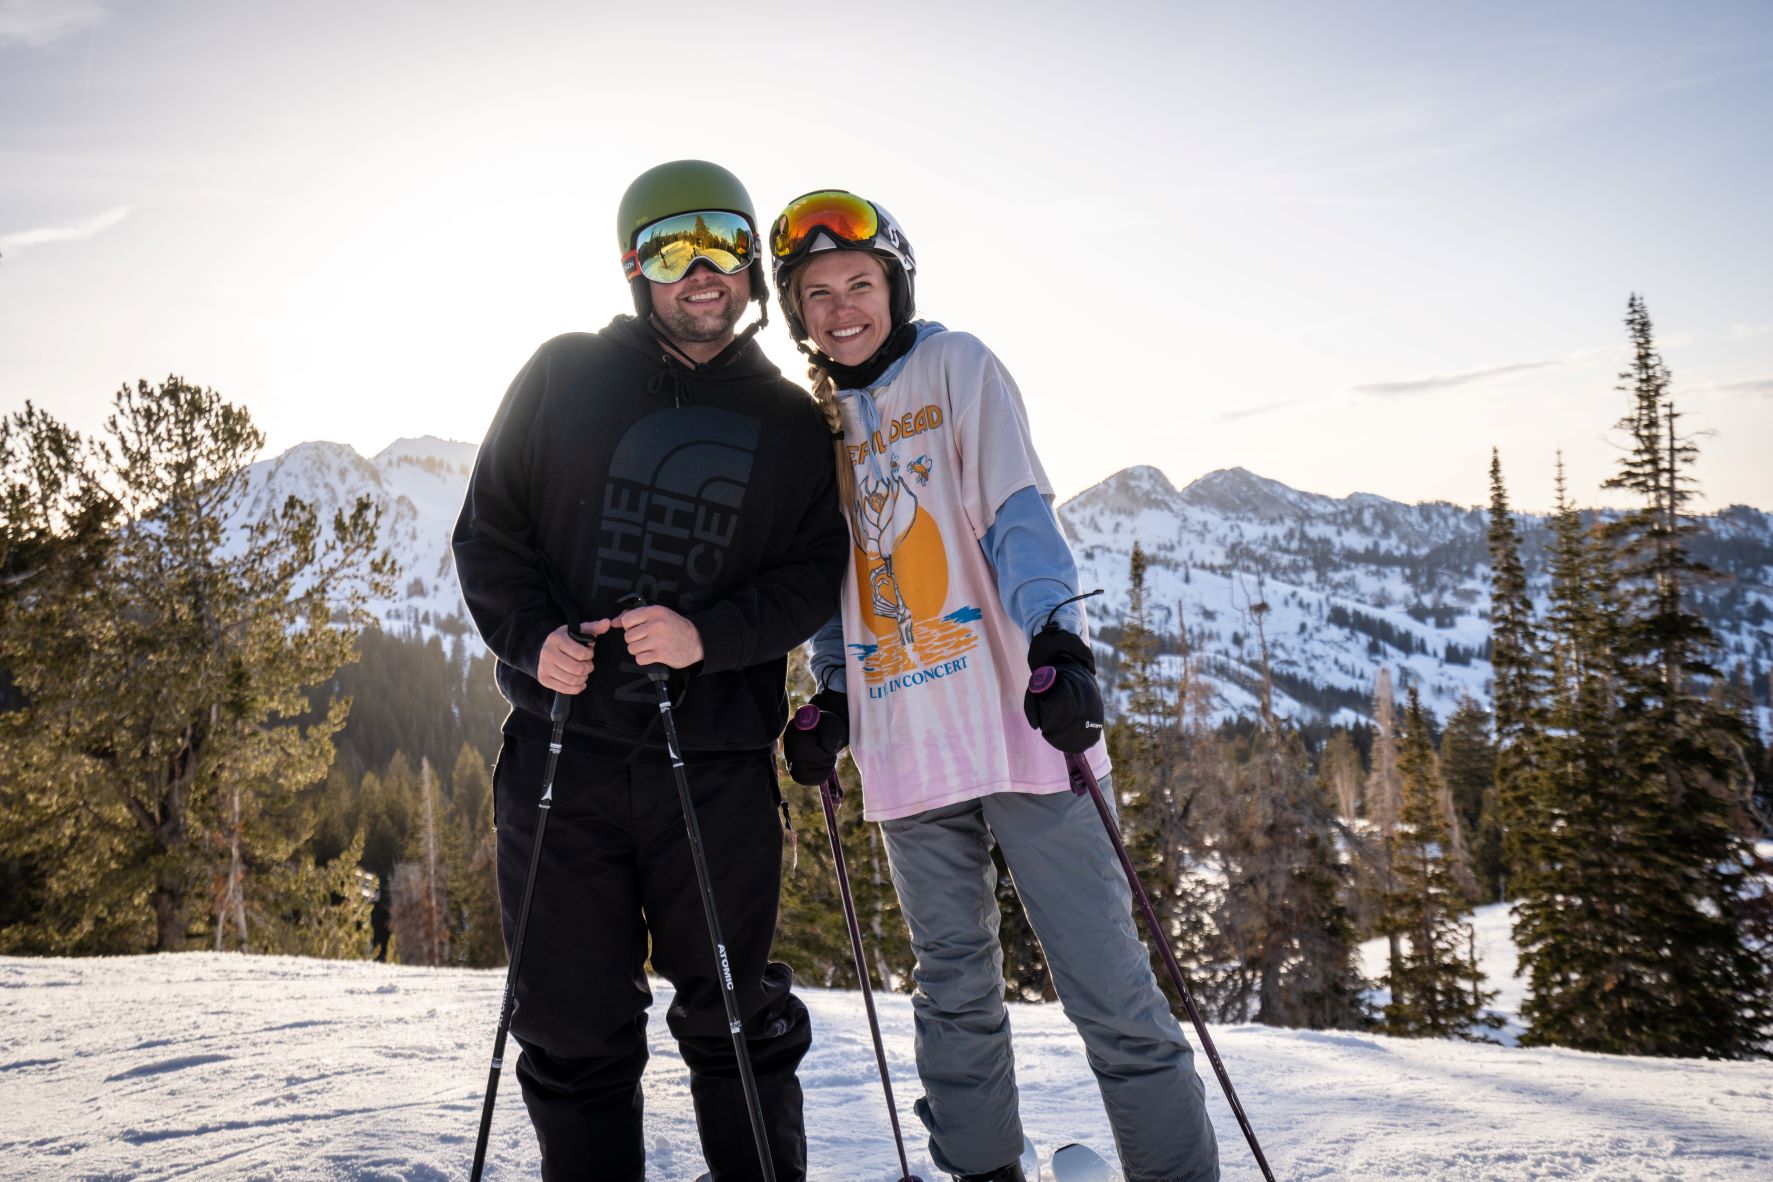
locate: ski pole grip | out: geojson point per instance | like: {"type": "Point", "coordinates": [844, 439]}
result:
{"type": "Point", "coordinates": [657, 674]}
{"type": "Point", "coordinates": [806, 718]}
{"type": "Point", "coordinates": [1041, 680]}
{"type": "Point", "coordinates": [562, 704]}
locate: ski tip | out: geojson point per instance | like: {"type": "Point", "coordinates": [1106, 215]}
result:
{"type": "Point", "coordinates": [1030, 1161]}
{"type": "Point", "coordinates": [1080, 1163]}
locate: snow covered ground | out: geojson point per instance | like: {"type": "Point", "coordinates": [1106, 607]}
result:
{"type": "Point", "coordinates": [207, 1067]}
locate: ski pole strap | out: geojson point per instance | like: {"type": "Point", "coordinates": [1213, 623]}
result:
{"type": "Point", "coordinates": [1051, 612]}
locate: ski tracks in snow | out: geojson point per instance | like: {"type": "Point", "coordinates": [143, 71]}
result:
{"type": "Point", "coordinates": [209, 1067]}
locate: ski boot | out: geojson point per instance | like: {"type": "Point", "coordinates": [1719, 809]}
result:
{"type": "Point", "coordinates": [1025, 1170]}
{"type": "Point", "coordinates": [1010, 1173]}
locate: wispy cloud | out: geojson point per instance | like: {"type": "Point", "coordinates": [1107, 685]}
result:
{"type": "Point", "coordinates": [1743, 332]}
{"type": "Point", "coordinates": [36, 23]}
{"type": "Point", "coordinates": [90, 227]}
{"type": "Point", "coordinates": [1232, 416]}
{"type": "Point", "coordinates": [1435, 383]}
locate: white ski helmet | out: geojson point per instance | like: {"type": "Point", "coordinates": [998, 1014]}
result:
{"type": "Point", "coordinates": [833, 219]}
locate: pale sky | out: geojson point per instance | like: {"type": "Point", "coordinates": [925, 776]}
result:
{"type": "Point", "coordinates": [1348, 246]}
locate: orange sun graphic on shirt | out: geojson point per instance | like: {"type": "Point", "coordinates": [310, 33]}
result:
{"type": "Point", "coordinates": [919, 573]}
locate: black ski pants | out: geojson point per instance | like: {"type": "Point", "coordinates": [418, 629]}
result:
{"type": "Point", "coordinates": [616, 869]}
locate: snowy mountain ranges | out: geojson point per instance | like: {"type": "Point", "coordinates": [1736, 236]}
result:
{"type": "Point", "coordinates": [1351, 585]}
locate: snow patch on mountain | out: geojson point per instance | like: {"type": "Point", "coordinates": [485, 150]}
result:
{"type": "Point", "coordinates": [418, 485]}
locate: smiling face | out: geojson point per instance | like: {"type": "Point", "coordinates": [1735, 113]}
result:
{"type": "Point", "coordinates": [698, 311]}
{"type": "Point", "coordinates": [846, 304]}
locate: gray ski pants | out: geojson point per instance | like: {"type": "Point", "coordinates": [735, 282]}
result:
{"type": "Point", "coordinates": [1078, 903]}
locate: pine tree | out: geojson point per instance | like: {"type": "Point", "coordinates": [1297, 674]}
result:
{"type": "Point", "coordinates": [1590, 841]}
{"type": "Point", "coordinates": [1141, 680]}
{"type": "Point", "coordinates": [162, 651]}
{"type": "Point", "coordinates": [1515, 661]}
{"type": "Point", "coordinates": [1165, 761]}
{"type": "Point", "coordinates": [1384, 806]}
{"type": "Point", "coordinates": [1290, 939]}
{"type": "Point", "coordinates": [471, 865]}
{"type": "Point", "coordinates": [387, 804]}
{"type": "Point", "coordinates": [1341, 770]}
{"type": "Point", "coordinates": [1137, 737]}
{"type": "Point", "coordinates": [1683, 978]}
{"type": "Point", "coordinates": [1429, 977]}
{"type": "Point", "coordinates": [1384, 789]}
{"type": "Point", "coordinates": [1468, 765]}
{"type": "Point", "coordinates": [419, 901]}
{"type": "Point", "coordinates": [323, 907]}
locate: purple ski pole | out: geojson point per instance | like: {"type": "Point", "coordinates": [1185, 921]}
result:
{"type": "Point", "coordinates": [806, 718]}
{"type": "Point", "coordinates": [1083, 783]}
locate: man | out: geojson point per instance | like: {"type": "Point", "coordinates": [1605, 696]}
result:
{"type": "Point", "coordinates": [665, 458]}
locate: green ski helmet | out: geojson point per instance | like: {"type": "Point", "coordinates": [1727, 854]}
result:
{"type": "Point", "coordinates": [681, 186]}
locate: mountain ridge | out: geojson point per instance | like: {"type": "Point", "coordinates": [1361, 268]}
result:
{"type": "Point", "coordinates": [1350, 585]}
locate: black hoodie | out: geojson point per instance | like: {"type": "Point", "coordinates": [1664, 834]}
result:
{"type": "Point", "coordinates": [612, 468]}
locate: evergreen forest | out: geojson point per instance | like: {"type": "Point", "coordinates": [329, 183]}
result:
{"type": "Point", "coordinates": [205, 743]}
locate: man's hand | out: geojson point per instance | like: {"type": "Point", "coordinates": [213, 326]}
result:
{"type": "Point", "coordinates": [565, 664]}
{"type": "Point", "coordinates": [658, 636]}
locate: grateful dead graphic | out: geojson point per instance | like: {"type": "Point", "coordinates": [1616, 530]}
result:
{"type": "Point", "coordinates": [902, 566]}
{"type": "Point", "coordinates": [886, 511]}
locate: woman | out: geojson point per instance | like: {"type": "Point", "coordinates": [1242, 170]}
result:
{"type": "Point", "coordinates": [961, 584]}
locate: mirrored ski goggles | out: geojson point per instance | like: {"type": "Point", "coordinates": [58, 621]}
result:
{"type": "Point", "coordinates": [665, 250]}
{"type": "Point", "coordinates": [844, 216]}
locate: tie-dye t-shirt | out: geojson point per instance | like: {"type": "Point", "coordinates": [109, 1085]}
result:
{"type": "Point", "coordinates": [935, 667]}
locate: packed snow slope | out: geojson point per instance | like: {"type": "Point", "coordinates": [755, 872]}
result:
{"type": "Point", "coordinates": [1351, 585]}
{"type": "Point", "coordinates": [208, 1067]}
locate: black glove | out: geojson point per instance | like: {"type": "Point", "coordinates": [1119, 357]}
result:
{"type": "Point", "coordinates": [1068, 712]}
{"type": "Point", "coordinates": [812, 753]}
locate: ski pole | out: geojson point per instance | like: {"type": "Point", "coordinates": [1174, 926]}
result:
{"type": "Point", "coordinates": [557, 713]}
{"type": "Point", "coordinates": [1083, 783]}
{"type": "Point", "coordinates": [658, 674]}
{"type": "Point", "coordinates": [806, 718]}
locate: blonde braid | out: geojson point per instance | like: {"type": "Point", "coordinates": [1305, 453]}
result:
{"type": "Point", "coordinates": [825, 393]}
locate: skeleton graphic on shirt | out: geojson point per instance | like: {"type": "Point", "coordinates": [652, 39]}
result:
{"type": "Point", "coordinates": [884, 515]}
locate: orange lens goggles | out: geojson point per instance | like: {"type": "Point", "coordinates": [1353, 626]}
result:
{"type": "Point", "coordinates": [665, 250]}
{"type": "Point", "coordinates": [844, 216]}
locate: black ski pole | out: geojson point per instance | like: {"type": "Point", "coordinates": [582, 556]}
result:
{"type": "Point", "coordinates": [806, 718]}
{"type": "Point", "coordinates": [658, 674]}
{"type": "Point", "coordinates": [1083, 782]}
{"type": "Point", "coordinates": [557, 713]}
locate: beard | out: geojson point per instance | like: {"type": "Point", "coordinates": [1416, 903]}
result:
{"type": "Point", "coordinates": [699, 328]}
